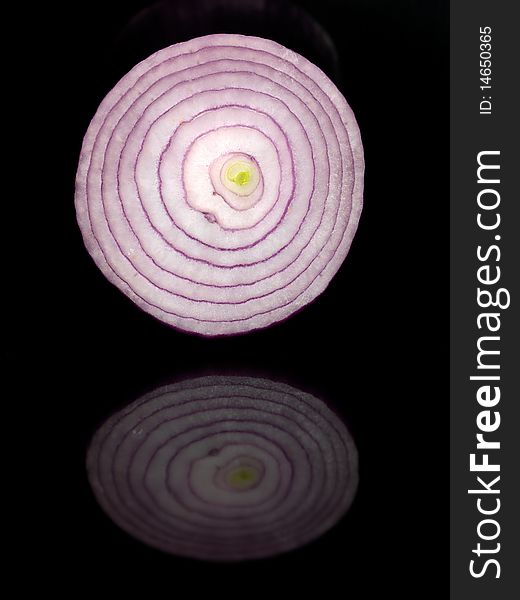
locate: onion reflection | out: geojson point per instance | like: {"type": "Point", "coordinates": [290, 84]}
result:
{"type": "Point", "coordinates": [224, 468]}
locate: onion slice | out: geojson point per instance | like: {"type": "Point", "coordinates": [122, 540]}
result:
{"type": "Point", "coordinates": [220, 184]}
{"type": "Point", "coordinates": [224, 468]}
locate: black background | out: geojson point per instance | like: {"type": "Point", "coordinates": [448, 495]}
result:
{"type": "Point", "coordinates": [374, 344]}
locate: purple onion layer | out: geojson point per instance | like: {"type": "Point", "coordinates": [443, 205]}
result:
{"type": "Point", "coordinates": [168, 217]}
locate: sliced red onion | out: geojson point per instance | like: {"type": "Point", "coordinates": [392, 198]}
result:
{"type": "Point", "coordinates": [224, 468]}
{"type": "Point", "coordinates": [220, 184]}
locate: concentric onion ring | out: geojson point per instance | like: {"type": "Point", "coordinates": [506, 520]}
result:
{"type": "Point", "coordinates": [224, 468]}
{"type": "Point", "coordinates": [220, 184]}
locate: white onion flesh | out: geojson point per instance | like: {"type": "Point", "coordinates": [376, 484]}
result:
{"type": "Point", "coordinates": [188, 248]}
{"type": "Point", "coordinates": [224, 468]}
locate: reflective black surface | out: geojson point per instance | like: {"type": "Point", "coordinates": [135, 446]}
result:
{"type": "Point", "coordinates": [374, 344]}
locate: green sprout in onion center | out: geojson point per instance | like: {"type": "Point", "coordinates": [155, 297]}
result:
{"type": "Point", "coordinates": [239, 173]}
{"type": "Point", "coordinates": [242, 477]}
